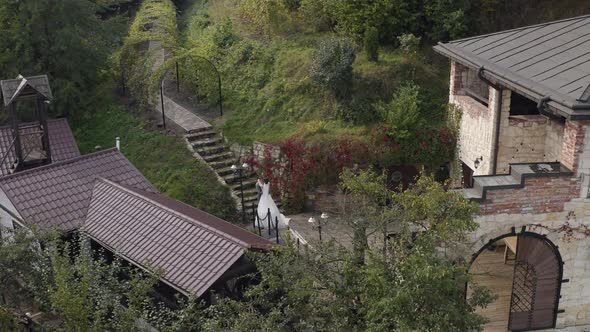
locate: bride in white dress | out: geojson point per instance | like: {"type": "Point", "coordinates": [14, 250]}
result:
{"type": "Point", "coordinates": [265, 204]}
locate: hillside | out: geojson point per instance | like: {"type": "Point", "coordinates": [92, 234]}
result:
{"type": "Point", "coordinates": [266, 75]}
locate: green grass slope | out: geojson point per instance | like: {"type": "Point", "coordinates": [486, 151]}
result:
{"type": "Point", "coordinates": [164, 160]}
{"type": "Point", "coordinates": [267, 84]}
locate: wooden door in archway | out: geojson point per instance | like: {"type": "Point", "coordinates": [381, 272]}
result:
{"type": "Point", "coordinates": [536, 284]}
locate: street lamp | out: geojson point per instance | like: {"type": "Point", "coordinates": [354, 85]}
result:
{"type": "Point", "coordinates": [239, 171]}
{"type": "Point", "coordinates": [323, 217]}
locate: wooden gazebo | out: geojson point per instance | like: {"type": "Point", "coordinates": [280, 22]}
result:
{"type": "Point", "coordinates": [30, 141]}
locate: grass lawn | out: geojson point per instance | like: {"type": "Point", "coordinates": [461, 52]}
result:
{"type": "Point", "coordinates": [164, 160]}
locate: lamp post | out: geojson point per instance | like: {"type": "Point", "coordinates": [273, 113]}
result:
{"type": "Point", "coordinates": [323, 219]}
{"type": "Point", "coordinates": [239, 171]}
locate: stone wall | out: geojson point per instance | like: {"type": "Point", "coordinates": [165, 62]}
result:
{"type": "Point", "coordinates": [522, 137]}
{"type": "Point", "coordinates": [539, 195]}
{"type": "Point", "coordinates": [553, 140]}
{"type": "Point", "coordinates": [575, 294]}
{"type": "Point", "coordinates": [259, 150]}
{"type": "Point", "coordinates": [476, 136]}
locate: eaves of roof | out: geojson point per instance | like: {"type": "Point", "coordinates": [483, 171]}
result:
{"type": "Point", "coordinates": [560, 104]}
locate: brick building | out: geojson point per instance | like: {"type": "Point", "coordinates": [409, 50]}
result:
{"type": "Point", "coordinates": [524, 148]}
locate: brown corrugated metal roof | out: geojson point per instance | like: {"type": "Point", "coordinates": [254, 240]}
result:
{"type": "Point", "coordinates": [192, 248]}
{"type": "Point", "coordinates": [61, 141]}
{"type": "Point", "coordinates": [549, 59]}
{"type": "Point", "coordinates": [58, 195]}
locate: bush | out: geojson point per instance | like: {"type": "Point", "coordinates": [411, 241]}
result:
{"type": "Point", "coordinates": [292, 4]}
{"type": "Point", "coordinates": [409, 44]}
{"type": "Point", "coordinates": [371, 43]}
{"type": "Point", "coordinates": [224, 36]}
{"type": "Point", "coordinates": [402, 114]}
{"type": "Point", "coordinates": [331, 65]}
{"type": "Point", "coordinates": [316, 14]}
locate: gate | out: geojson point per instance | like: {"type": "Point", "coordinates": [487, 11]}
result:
{"type": "Point", "coordinates": [536, 284]}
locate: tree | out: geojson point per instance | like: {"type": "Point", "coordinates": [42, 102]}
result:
{"type": "Point", "coordinates": [403, 114]}
{"type": "Point", "coordinates": [87, 291]}
{"type": "Point", "coordinates": [371, 43]}
{"type": "Point", "coordinates": [91, 293]}
{"type": "Point", "coordinates": [20, 265]}
{"type": "Point", "coordinates": [64, 39]}
{"type": "Point", "coordinates": [401, 282]}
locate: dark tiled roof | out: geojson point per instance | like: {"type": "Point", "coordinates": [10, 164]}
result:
{"type": "Point", "coordinates": [61, 141]}
{"type": "Point", "coordinates": [550, 59]}
{"type": "Point", "coordinates": [191, 247]}
{"type": "Point", "coordinates": [28, 85]}
{"type": "Point", "coordinates": [58, 195]}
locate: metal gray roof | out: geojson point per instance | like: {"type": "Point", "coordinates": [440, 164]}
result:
{"type": "Point", "coordinates": [193, 249]}
{"type": "Point", "coordinates": [58, 195]}
{"type": "Point", "coordinates": [11, 89]}
{"type": "Point", "coordinates": [550, 59]}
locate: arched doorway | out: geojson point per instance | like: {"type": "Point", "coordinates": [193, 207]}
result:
{"type": "Point", "coordinates": [524, 271]}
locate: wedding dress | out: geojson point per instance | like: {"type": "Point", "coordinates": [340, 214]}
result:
{"type": "Point", "coordinates": [266, 204]}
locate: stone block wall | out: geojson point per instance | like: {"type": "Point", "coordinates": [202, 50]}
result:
{"type": "Point", "coordinates": [539, 195]}
{"type": "Point", "coordinates": [575, 294]}
{"type": "Point", "coordinates": [553, 140]}
{"type": "Point", "coordinates": [522, 137]}
{"type": "Point", "coordinates": [259, 148]}
{"type": "Point", "coordinates": [476, 137]}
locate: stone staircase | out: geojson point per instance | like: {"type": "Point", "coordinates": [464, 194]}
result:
{"type": "Point", "coordinates": [207, 145]}
{"type": "Point", "coordinates": [515, 179]}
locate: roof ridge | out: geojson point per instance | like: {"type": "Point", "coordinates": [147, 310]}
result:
{"type": "Point", "coordinates": [138, 193]}
{"type": "Point", "coordinates": [61, 163]}
{"type": "Point", "coordinates": [517, 29]}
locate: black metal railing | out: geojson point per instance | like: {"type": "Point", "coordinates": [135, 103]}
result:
{"type": "Point", "coordinates": [268, 221]}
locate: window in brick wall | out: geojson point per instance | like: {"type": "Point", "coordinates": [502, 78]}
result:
{"type": "Point", "coordinates": [521, 105]}
{"type": "Point", "coordinates": [473, 87]}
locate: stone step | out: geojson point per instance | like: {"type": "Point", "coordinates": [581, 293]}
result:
{"type": "Point", "coordinates": [248, 183]}
{"type": "Point", "coordinates": [221, 163]}
{"type": "Point", "coordinates": [231, 179]}
{"type": "Point", "coordinates": [200, 135]}
{"type": "Point", "coordinates": [218, 156]}
{"type": "Point", "coordinates": [210, 150]}
{"type": "Point", "coordinates": [199, 130]}
{"type": "Point", "coordinates": [210, 141]}
{"type": "Point", "coordinates": [495, 181]}
{"type": "Point", "coordinates": [248, 193]}
{"type": "Point", "coordinates": [471, 193]}
{"type": "Point", "coordinates": [224, 171]}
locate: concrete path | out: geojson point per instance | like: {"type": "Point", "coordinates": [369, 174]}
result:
{"type": "Point", "coordinates": [184, 118]}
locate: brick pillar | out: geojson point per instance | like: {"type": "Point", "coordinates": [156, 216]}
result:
{"type": "Point", "coordinates": [573, 143]}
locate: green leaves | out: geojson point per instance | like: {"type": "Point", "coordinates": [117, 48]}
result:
{"type": "Point", "coordinates": [403, 114]}
{"type": "Point", "coordinates": [331, 64]}
{"type": "Point", "coordinates": [65, 39]}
